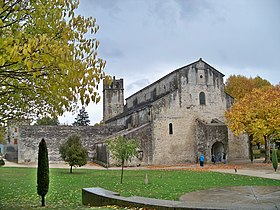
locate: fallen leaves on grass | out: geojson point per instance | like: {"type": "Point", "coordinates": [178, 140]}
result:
{"type": "Point", "coordinates": [195, 167]}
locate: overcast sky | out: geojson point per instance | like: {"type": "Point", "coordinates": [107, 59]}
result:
{"type": "Point", "coordinates": [143, 40]}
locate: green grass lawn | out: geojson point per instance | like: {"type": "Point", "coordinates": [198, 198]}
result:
{"type": "Point", "coordinates": [18, 185]}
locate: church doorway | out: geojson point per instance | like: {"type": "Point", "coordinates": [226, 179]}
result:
{"type": "Point", "coordinates": [218, 152]}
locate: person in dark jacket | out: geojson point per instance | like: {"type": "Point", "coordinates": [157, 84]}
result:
{"type": "Point", "coordinates": [214, 159]}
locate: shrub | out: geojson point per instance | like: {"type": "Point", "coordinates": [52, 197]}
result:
{"type": "Point", "coordinates": [2, 162]}
{"type": "Point", "coordinates": [73, 152]}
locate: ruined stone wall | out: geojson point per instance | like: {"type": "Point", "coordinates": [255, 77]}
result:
{"type": "Point", "coordinates": [30, 136]}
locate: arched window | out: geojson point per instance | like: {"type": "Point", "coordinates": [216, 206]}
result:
{"type": "Point", "coordinates": [170, 128]}
{"type": "Point", "coordinates": [202, 98]}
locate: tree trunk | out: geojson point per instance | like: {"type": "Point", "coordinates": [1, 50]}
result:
{"type": "Point", "coordinates": [251, 148]}
{"type": "Point", "coordinates": [43, 200]}
{"type": "Point", "coordinates": [122, 172]}
{"type": "Point", "coordinates": [71, 169]}
{"type": "Point", "coordinates": [267, 150]}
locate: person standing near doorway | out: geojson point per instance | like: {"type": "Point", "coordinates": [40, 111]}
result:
{"type": "Point", "coordinates": [201, 160]}
{"type": "Point", "coordinates": [224, 157]}
{"type": "Point", "coordinates": [214, 159]}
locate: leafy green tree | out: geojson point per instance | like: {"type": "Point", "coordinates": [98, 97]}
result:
{"type": "Point", "coordinates": [82, 119]}
{"type": "Point", "coordinates": [48, 58]}
{"type": "Point", "coordinates": [43, 171]}
{"type": "Point", "coordinates": [257, 114]}
{"type": "Point", "coordinates": [73, 152]}
{"type": "Point", "coordinates": [123, 149]}
{"type": "Point", "coordinates": [274, 159]}
{"type": "Point", "coordinates": [47, 121]}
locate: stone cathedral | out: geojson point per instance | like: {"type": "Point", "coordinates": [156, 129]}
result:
{"type": "Point", "coordinates": [177, 118]}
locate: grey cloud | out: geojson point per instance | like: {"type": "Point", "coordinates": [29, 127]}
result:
{"type": "Point", "coordinates": [110, 49]}
{"type": "Point", "coordinates": [108, 5]}
{"type": "Point", "coordinates": [143, 39]}
{"type": "Point", "coordinates": [136, 85]}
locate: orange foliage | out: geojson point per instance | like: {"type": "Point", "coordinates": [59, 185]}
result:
{"type": "Point", "coordinates": [258, 113]}
{"type": "Point", "coordinates": [238, 86]}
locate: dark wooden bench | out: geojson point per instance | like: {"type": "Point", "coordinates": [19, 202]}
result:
{"type": "Point", "coordinates": [102, 197]}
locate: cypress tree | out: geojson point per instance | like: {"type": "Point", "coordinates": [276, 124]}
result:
{"type": "Point", "coordinates": [43, 171]}
{"type": "Point", "coordinates": [274, 159]}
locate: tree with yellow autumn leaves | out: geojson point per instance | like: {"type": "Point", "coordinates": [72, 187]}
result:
{"type": "Point", "coordinates": [257, 114]}
{"type": "Point", "coordinates": [238, 86]}
{"type": "Point", "coordinates": [48, 58]}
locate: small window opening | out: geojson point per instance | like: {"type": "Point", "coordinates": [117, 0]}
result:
{"type": "Point", "coordinates": [135, 101]}
{"type": "Point", "coordinates": [154, 93]}
{"type": "Point", "coordinates": [170, 128]}
{"type": "Point", "coordinates": [202, 98]}
{"type": "Point", "coordinates": [201, 76]}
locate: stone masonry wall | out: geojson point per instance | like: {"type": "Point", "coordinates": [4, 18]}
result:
{"type": "Point", "coordinates": [144, 135]}
{"type": "Point", "coordinates": [238, 146]}
{"type": "Point", "coordinates": [207, 135]}
{"type": "Point", "coordinates": [30, 136]}
{"type": "Point", "coordinates": [181, 109]}
{"type": "Point", "coordinates": [195, 91]}
{"type": "Point", "coordinates": [113, 99]}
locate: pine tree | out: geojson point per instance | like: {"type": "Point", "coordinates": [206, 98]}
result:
{"type": "Point", "coordinates": [43, 171]}
{"type": "Point", "coordinates": [82, 119]}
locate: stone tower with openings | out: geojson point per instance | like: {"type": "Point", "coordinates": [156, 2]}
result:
{"type": "Point", "coordinates": [113, 99]}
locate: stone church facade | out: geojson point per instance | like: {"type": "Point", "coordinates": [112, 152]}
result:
{"type": "Point", "coordinates": [177, 118]}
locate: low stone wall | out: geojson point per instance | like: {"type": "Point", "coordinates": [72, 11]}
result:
{"type": "Point", "coordinates": [30, 136]}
